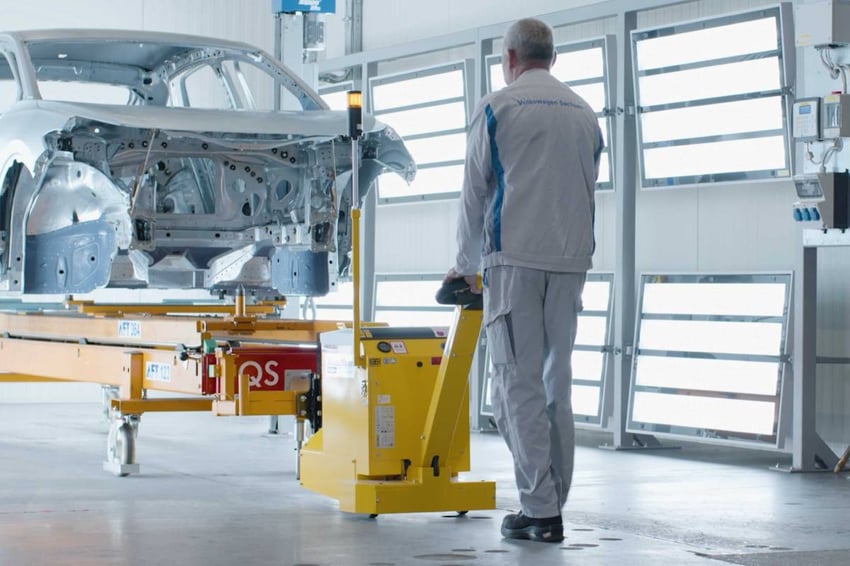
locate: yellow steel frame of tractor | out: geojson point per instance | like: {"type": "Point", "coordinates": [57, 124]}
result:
{"type": "Point", "coordinates": [418, 472]}
{"type": "Point", "coordinates": [90, 347]}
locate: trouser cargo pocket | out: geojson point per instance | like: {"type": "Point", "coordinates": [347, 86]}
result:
{"type": "Point", "coordinates": [500, 339]}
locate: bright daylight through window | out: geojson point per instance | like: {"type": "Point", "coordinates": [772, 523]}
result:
{"type": "Point", "coordinates": [710, 352]}
{"type": "Point", "coordinates": [710, 100]}
{"type": "Point", "coordinates": [428, 109]}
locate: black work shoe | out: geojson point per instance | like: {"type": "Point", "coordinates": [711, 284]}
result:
{"type": "Point", "coordinates": [550, 529]}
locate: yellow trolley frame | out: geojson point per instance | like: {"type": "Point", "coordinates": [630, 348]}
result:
{"type": "Point", "coordinates": [114, 344]}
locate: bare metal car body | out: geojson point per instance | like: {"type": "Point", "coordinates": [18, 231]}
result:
{"type": "Point", "coordinates": [156, 193]}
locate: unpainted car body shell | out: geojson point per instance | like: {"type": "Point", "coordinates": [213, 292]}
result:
{"type": "Point", "coordinates": [146, 195]}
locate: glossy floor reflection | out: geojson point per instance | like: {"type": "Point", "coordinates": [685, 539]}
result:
{"type": "Point", "coordinates": [219, 491]}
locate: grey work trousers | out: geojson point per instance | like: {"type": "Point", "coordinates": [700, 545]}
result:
{"type": "Point", "coordinates": [530, 317]}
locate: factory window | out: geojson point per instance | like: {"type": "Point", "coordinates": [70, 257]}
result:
{"type": "Point", "coordinates": [584, 68]}
{"type": "Point", "coordinates": [710, 355]}
{"type": "Point", "coordinates": [408, 300]}
{"type": "Point", "coordinates": [428, 108]}
{"type": "Point", "coordinates": [711, 100]}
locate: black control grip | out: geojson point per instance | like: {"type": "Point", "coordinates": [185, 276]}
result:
{"type": "Point", "coordinates": [458, 292]}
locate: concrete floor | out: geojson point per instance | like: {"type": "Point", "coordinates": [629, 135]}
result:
{"type": "Point", "coordinates": [217, 491]}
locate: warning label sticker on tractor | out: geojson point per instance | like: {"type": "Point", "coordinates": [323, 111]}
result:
{"type": "Point", "coordinates": [384, 426]}
{"type": "Point", "coordinates": [398, 347]}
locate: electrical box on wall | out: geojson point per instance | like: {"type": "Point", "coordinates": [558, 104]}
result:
{"type": "Point", "coordinates": [824, 198]}
{"type": "Point", "coordinates": [825, 22]}
{"type": "Point", "coordinates": [836, 116]}
{"type": "Point", "coordinates": [806, 122]}
{"type": "Point", "coordinates": [294, 6]}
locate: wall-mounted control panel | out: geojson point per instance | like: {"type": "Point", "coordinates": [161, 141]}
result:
{"type": "Point", "coordinates": [806, 119]}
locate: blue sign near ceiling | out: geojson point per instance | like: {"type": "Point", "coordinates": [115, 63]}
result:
{"type": "Point", "coordinates": [292, 6]}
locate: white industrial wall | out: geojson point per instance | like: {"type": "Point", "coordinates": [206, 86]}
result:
{"type": "Point", "coordinates": [734, 227]}
{"type": "Point", "coordinates": [240, 20]}
{"type": "Point", "coordinates": [833, 396]}
{"type": "Point", "coordinates": [737, 227]}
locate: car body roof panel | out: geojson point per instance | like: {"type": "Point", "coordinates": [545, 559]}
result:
{"type": "Point", "coordinates": [295, 123]}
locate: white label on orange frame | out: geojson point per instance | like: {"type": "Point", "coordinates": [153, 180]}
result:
{"type": "Point", "coordinates": [157, 372]}
{"type": "Point", "coordinates": [129, 328]}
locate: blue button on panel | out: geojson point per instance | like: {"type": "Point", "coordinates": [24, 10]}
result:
{"type": "Point", "coordinates": [815, 214]}
{"type": "Point", "coordinates": [798, 215]}
{"type": "Point", "coordinates": [806, 215]}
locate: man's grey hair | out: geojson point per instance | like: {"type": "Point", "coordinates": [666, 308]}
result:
{"type": "Point", "coordinates": [531, 40]}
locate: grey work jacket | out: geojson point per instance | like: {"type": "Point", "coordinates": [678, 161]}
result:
{"type": "Point", "coordinates": [528, 191]}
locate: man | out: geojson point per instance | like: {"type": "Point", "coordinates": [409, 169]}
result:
{"type": "Point", "coordinates": [526, 218]}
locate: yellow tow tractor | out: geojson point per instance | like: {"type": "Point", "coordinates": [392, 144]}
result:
{"type": "Point", "coordinates": [393, 432]}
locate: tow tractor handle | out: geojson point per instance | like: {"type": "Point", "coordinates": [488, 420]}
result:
{"type": "Point", "coordinates": [458, 292]}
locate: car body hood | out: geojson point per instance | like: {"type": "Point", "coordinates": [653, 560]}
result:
{"type": "Point", "coordinates": [269, 124]}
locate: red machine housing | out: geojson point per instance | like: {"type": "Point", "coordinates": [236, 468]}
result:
{"type": "Point", "coordinates": [270, 368]}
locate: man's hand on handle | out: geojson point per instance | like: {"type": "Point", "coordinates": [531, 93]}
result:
{"type": "Point", "coordinates": [471, 280]}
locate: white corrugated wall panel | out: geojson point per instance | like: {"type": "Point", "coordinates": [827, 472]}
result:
{"type": "Point", "coordinates": [250, 21]}
{"type": "Point", "coordinates": [388, 22]}
{"type": "Point", "coordinates": [43, 14]}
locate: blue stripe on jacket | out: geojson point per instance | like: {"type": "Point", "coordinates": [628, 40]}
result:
{"type": "Point", "coordinates": [499, 171]}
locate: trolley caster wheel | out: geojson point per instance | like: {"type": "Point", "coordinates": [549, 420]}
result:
{"type": "Point", "coordinates": [372, 515]}
{"type": "Point", "coordinates": [462, 513]}
{"type": "Point", "coordinates": [108, 393]}
{"type": "Point", "coordinates": [121, 449]}
{"type": "Point", "coordinates": [134, 421]}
